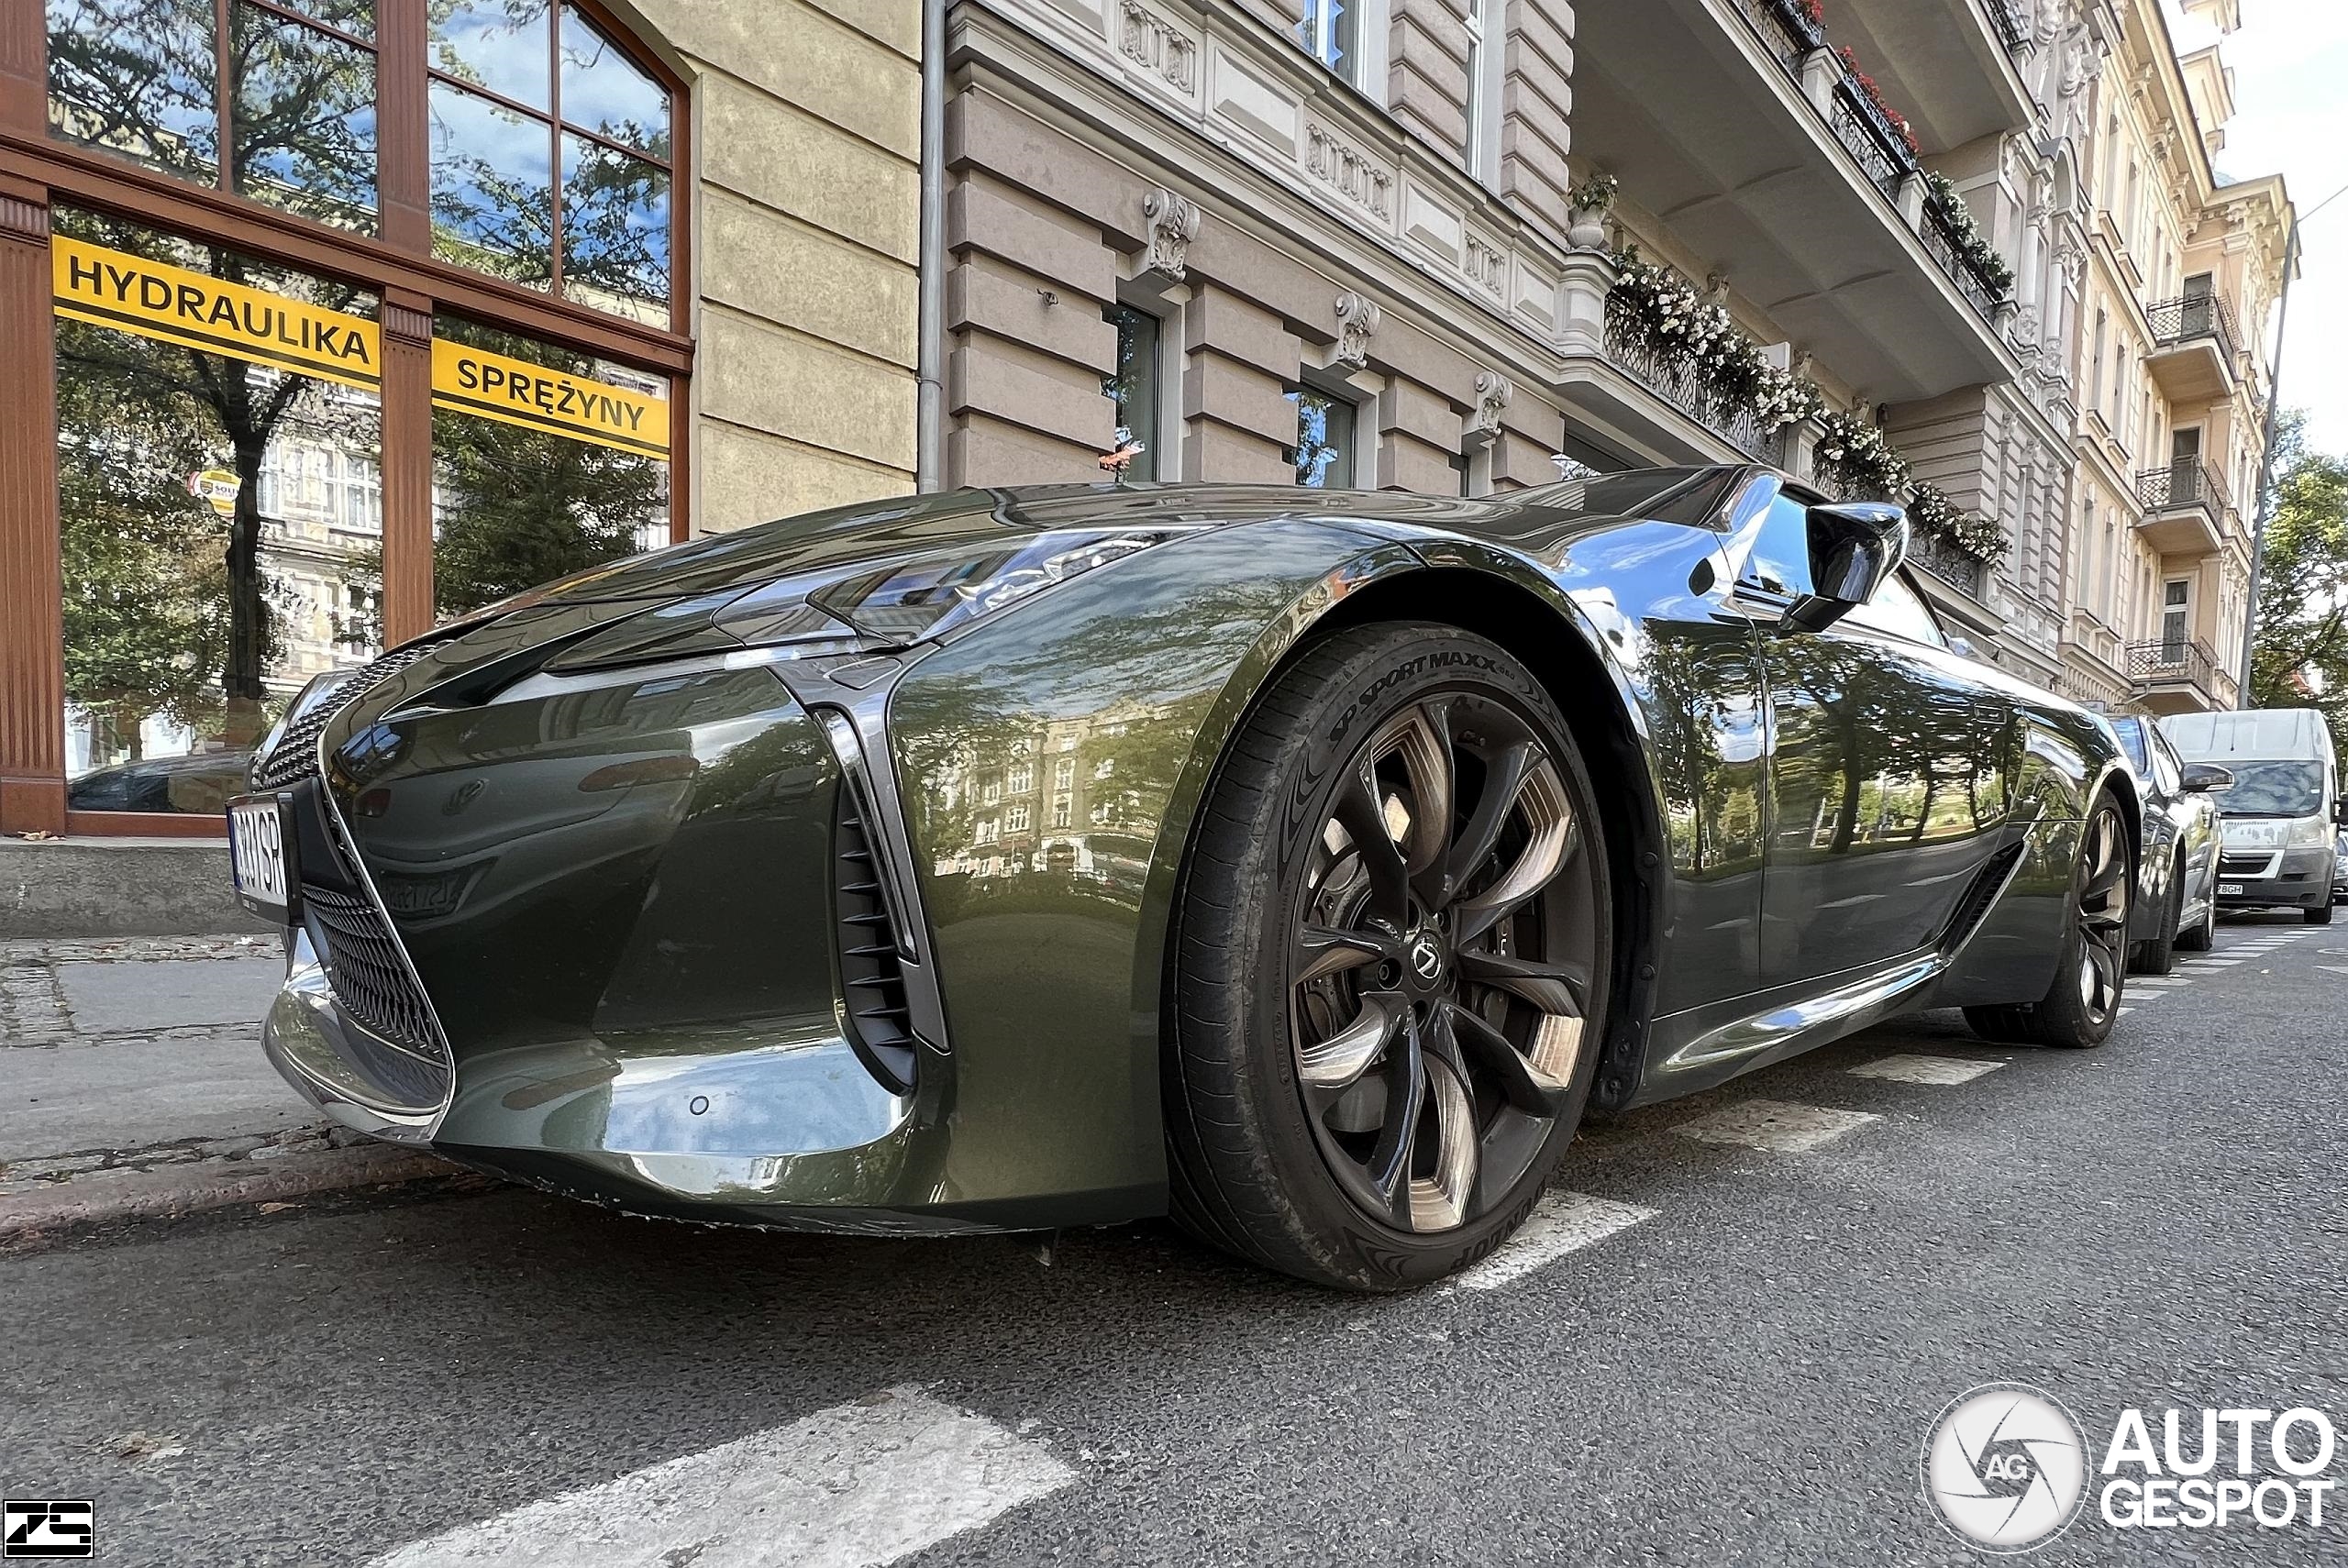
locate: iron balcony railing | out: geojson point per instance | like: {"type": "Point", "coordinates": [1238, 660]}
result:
{"type": "Point", "coordinates": [1949, 564]}
{"type": "Point", "coordinates": [1682, 386]}
{"type": "Point", "coordinates": [1881, 153]}
{"type": "Point", "coordinates": [2174, 661]}
{"type": "Point", "coordinates": [2008, 23]}
{"type": "Point", "coordinates": [2176, 322]}
{"type": "Point", "coordinates": [2183, 484]}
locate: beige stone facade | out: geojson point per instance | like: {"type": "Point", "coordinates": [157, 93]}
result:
{"type": "Point", "coordinates": [806, 237]}
{"type": "Point", "coordinates": [2171, 355]}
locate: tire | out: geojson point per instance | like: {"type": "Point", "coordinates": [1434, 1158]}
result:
{"type": "Point", "coordinates": [2158, 956]}
{"type": "Point", "coordinates": [2204, 936]}
{"type": "Point", "coordinates": [2083, 1002]}
{"type": "Point", "coordinates": [1364, 1085]}
{"type": "Point", "coordinates": [2320, 915]}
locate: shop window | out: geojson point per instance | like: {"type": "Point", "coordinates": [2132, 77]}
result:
{"type": "Point", "coordinates": [145, 79]}
{"type": "Point", "coordinates": [517, 504]}
{"type": "Point", "coordinates": [202, 590]}
{"type": "Point", "coordinates": [1323, 453]}
{"type": "Point", "coordinates": [549, 153]}
{"type": "Point", "coordinates": [1133, 387]}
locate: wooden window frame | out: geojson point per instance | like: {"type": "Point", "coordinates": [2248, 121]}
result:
{"type": "Point", "coordinates": [38, 171]}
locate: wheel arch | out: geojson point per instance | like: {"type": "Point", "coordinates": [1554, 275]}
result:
{"type": "Point", "coordinates": [1526, 615]}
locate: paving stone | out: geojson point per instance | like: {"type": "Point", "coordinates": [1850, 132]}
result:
{"type": "Point", "coordinates": [168, 993]}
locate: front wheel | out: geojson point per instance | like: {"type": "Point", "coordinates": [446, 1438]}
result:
{"type": "Point", "coordinates": [2081, 1006]}
{"type": "Point", "coordinates": [2320, 915]}
{"type": "Point", "coordinates": [2158, 954]}
{"type": "Point", "coordinates": [1392, 968]}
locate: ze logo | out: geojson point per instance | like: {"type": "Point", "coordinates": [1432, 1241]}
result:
{"type": "Point", "coordinates": [49, 1530]}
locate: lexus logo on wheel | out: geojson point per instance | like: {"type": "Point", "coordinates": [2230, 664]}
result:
{"type": "Point", "coordinates": [1426, 958]}
{"type": "Point", "coordinates": [2005, 1467]}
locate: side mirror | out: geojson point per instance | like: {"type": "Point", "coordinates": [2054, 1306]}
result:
{"type": "Point", "coordinates": [2200, 776]}
{"type": "Point", "coordinates": [1854, 547]}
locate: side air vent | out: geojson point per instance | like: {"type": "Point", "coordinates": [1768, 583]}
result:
{"type": "Point", "coordinates": [1979, 896]}
{"type": "Point", "coordinates": [369, 976]}
{"type": "Point", "coordinates": [873, 980]}
{"type": "Point", "coordinates": [296, 757]}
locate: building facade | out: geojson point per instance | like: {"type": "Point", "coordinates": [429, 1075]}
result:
{"type": "Point", "coordinates": [2172, 352]}
{"type": "Point", "coordinates": [560, 277]}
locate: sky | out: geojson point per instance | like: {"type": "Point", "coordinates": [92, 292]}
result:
{"type": "Point", "coordinates": [2290, 66]}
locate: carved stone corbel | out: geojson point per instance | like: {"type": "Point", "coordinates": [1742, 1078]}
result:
{"type": "Point", "coordinates": [1493, 393]}
{"type": "Point", "coordinates": [1171, 222]}
{"type": "Point", "coordinates": [1357, 319]}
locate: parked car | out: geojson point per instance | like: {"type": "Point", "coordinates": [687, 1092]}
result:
{"type": "Point", "coordinates": [2176, 880]}
{"type": "Point", "coordinates": [199, 784]}
{"type": "Point", "coordinates": [2280, 818]}
{"type": "Point", "coordinates": [2339, 869]}
{"type": "Point", "coordinates": [1457, 817]}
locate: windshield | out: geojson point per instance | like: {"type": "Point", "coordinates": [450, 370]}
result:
{"type": "Point", "coordinates": [2273, 790]}
{"type": "Point", "coordinates": [2132, 741]}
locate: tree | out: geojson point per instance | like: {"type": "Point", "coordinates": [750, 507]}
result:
{"type": "Point", "coordinates": [2299, 657]}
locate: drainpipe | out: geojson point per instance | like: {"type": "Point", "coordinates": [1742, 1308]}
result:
{"type": "Point", "coordinates": [929, 470]}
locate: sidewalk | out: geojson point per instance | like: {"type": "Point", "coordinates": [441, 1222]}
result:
{"type": "Point", "coordinates": [132, 1087]}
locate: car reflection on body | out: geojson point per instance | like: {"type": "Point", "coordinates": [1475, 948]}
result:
{"type": "Point", "coordinates": [2176, 884]}
{"type": "Point", "coordinates": [1304, 864]}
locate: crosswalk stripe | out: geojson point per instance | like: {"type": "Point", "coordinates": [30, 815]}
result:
{"type": "Point", "coordinates": [1561, 1223]}
{"type": "Point", "coordinates": [865, 1483]}
{"type": "Point", "coordinates": [1906, 1069]}
{"type": "Point", "coordinates": [1779, 1127]}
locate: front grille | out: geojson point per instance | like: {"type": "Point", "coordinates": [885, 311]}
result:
{"type": "Point", "coordinates": [369, 975]}
{"type": "Point", "coordinates": [2244, 865]}
{"type": "Point", "coordinates": [296, 754]}
{"type": "Point", "coordinates": [879, 1023]}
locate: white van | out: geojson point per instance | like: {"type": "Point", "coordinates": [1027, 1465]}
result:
{"type": "Point", "coordinates": [2278, 819]}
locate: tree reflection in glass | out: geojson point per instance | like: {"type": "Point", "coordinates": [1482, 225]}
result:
{"type": "Point", "coordinates": [304, 119]}
{"type": "Point", "coordinates": [138, 78]}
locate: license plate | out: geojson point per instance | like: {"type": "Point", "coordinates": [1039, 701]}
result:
{"type": "Point", "coordinates": [257, 859]}
{"type": "Point", "coordinates": [2228, 890]}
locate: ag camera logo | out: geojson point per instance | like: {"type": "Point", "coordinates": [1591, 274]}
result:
{"type": "Point", "coordinates": [2005, 1467]}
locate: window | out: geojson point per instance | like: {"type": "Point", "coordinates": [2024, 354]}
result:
{"type": "Point", "coordinates": [2176, 610]}
{"type": "Point", "coordinates": [1063, 773]}
{"type": "Point", "coordinates": [1022, 779]}
{"type": "Point", "coordinates": [1323, 453]}
{"type": "Point", "coordinates": [2095, 361]}
{"type": "Point", "coordinates": [1487, 69]}
{"type": "Point", "coordinates": [545, 148]}
{"type": "Point", "coordinates": [1060, 811]}
{"type": "Point", "coordinates": [986, 832]}
{"type": "Point", "coordinates": [1014, 818]}
{"type": "Point", "coordinates": [1133, 387]}
{"type": "Point", "coordinates": [994, 790]}
{"type": "Point", "coordinates": [1327, 30]}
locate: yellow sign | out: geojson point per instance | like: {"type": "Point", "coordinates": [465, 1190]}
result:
{"type": "Point", "coordinates": [217, 486]}
{"type": "Point", "coordinates": [474, 380]}
{"type": "Point", "coordinates": [113, 288]}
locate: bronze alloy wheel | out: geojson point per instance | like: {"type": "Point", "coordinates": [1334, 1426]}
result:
{"type": "Point", "coordinates": [2101, 913]}
{"type": "Point", "coordinates": [1436, 991]}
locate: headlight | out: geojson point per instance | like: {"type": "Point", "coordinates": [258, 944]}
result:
{"type": "Point", "coordinates": [2311, 833]}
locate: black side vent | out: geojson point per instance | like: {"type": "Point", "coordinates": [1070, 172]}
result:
{"type": "Point", "coordinates": [363, 963]}
{"type": "Point", "coordinates": [879, 1023]}
{"type": "Point", "coordinates": [1974, 908]}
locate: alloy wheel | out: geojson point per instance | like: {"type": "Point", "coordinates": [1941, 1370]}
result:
{"type": "Point", "coordinates": [2102, 915]}
{"type": "Point", "coordinates": [1440, 970]}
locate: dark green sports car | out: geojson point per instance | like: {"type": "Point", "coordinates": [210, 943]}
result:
{"type": "Point", "coordinates": [1303, 864]}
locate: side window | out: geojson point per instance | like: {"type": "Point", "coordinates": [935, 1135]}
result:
{"type": "Point", "coordinates": [1780, 558]}
{"type": "Point", "coordinates": [2165, 768]}
{"type": "Point", "coordinates": [1896, 609]}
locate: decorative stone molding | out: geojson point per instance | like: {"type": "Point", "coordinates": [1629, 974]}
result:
{"type": "Point", "coordinates": [1347, 170]}
{"type": "Point", "coordinates": [24, 220]}
{"type": "Point", "coordinates": [1486, 264]}
{"type": "Point", "coordinates": [1171, 222]}
{"type": "Point", "coordinates": [1357, 319]}
{"type": "Point", "coordinates": [1494, 392]}
{"type": "Point", "coordinates": [1158, 47]}
{"type": "Point", "coordinates": [404, 324]}
{"type": "Point", "coordinates": [1581, 301]}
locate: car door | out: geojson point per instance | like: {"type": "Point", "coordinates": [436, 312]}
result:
{"type": "Point", "coordinates": [1886, 794]}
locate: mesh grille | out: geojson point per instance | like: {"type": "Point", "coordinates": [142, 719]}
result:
{"type": "Point", "coordinates": [2244, 864]}
{"type": "Point", "coordinates": [296, 757]}
{"type": "Point", "coordinates": [875, 985]}
{"type": "Point", "coordinates": [364, 961]}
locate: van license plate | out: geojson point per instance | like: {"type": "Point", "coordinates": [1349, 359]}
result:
{"type": "Point", "coordinates": [2228, 890]}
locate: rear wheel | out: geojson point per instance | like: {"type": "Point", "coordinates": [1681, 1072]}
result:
{"type": "Point", "coordinates": [2080, 1006]}
{"type": "Point", "coordinates": [1392, 965]}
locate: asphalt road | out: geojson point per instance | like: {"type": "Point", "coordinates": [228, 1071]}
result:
{"type": "Point", "coordinates": [1737, 1361]}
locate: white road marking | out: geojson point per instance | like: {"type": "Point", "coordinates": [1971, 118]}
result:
{"type": "Point", "coordinates": [2159, 982]}
{"type": "Point", "coordinates": [2123, 1012]}
{"type": "Point", "coordinates": [2333, 969]}
{"type": "Point", "coordinates": [2212, 963]}
{"type": "Point", "coordinates": [1775, 1125]}
{"type": "Point", "coordinates": [1925, 1069]}
{"type": "Point", "coordinates": [1561, 1223]}
{"type": "Point", "coordinates": [858, 1483]}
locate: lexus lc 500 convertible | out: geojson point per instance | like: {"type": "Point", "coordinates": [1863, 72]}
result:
{"type": "Point", "coordinates": [1302, 863]}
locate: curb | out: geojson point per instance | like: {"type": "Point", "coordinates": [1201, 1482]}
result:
{"type": "Point", "coordinates": [39, 1222]}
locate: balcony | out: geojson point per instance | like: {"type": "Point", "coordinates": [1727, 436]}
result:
{"type": "Point", "coordinates": [1953, 568]}
{"type": "Point", "coordinates": [1685, 392]}
{"type": "Point", "coordinates": [1728, 121]}
{"type": "Point", "coordinates": [2193, 347]}
{"type": "Point", "coordinates": [2178, 676]}
{"type": "Point", "coordinates": [1948, 65]}
{"type": "Point", "coordinates": [2185, 507]}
